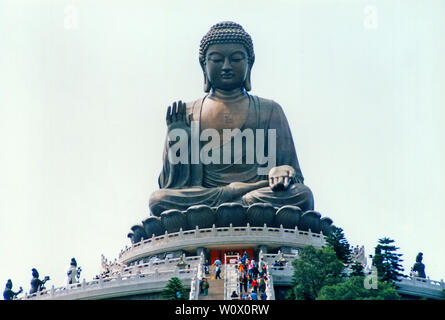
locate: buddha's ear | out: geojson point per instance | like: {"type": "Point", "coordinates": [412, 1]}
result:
{"type": "Point", "coordinates": [247, 83]}
{"type": "Point", "coordinates": [207, 85]}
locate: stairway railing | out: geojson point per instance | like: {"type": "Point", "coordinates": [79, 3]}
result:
{"type": "Point", "coordinates": [230, 275]}
{"type": "Point", "coordinates": [194, 285]}
{"type": "Point", "coordinates": [270, 292]}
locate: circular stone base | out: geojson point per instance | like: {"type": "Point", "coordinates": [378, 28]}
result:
{"type": "Point", "coordinates": [221, 237]}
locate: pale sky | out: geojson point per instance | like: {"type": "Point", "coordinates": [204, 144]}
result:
{"type": "Point", "coordinates": [84, 87]}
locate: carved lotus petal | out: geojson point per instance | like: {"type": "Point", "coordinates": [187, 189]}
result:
{"type": "Point", "coordinates": [153, 225]}
{"type": "Point", "coordinates": [288, 216]}
{"type": "Point", "coordinates": [173, 220]}
{"type": "Point", "coordinates": [139, 233]}
{"type": "Point", "coordinates": [331, 229]}
{"type": "Point", "coordinates": [259, 214]}
{"type": "Point", "coordinates": [326, 225]}
{"type": "Point", "coordinates": [201, 216]}
{"type": "Point", "coordinates": [230, 213]}
{"type": "Point", "coordinates": [130, 235]}
{"type": "Point", "coordinates": [310, 220]}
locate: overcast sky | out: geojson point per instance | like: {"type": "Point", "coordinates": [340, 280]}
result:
{"type": "Point", "coordinates": [84, 86]}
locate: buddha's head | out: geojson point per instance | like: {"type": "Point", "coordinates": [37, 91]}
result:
{"type": "Point", "coordinates": [226, 57]}
{"type": "Point", "coordinates": [9, 284]}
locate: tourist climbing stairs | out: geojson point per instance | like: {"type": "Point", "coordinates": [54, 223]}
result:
{"type": "Point", "coordinates": [216, 287]}
{"type": "Point", "coordinates": [221, 289]}
{"type": "Point", "coordinates": [216, 290]}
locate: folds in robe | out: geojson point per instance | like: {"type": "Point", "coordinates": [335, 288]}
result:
{"type": "Point", "coordinates": [185, 184]}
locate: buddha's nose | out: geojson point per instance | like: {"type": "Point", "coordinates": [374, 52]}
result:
{"type": "Point", "coordinates": [227, 66]}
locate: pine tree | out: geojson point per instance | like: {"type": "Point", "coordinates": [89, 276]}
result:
{"type": "Point", "coordinates": [357, 270]}
{"type": "Point", "coordinates": [353, 289]}
{"type": "Point", "coordinates": [338, 242]}
{"type": "Point", "coordinates": [314, 270]}
{"type": "Point", "coordinates": [174, 290]}
{"type": "Point", "coordinates": [387, 261]}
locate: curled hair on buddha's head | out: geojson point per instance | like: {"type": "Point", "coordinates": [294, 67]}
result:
{"type": "Point", "coordinates": [226, 32]}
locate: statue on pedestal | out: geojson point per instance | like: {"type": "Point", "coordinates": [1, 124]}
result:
{"type": "Point", "coordinates": [217, 175]}
{"type": "Point", "coordinates": [8, 294]}
{"type": "Point", "coordinates": [36, 283]}
{"type": "Point", "coordinates": [419, 267]}
{"type": "Point", "coordinates": [73, 272]}
{"type": "Point", "coordinates": [228, 150]}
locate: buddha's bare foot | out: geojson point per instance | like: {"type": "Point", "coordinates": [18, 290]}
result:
{"type": "Point", "coordinates": [241, 188]}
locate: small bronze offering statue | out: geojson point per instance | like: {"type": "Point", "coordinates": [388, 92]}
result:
{"type": "Point", "coordinates": [8, 294]}
{"type": "Point", "coordinates": [419, 267]}
{"type": "Point", "coordinates": [73, 272]}
{"type": "Point", "coordinates": [36, 283]}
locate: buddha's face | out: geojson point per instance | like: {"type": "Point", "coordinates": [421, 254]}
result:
{"type": "Point", "coordinates": [227, 65]}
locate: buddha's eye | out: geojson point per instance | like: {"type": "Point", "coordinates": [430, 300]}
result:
{"type": "Point", "coordinates": [237, 57]}
{"type": "Point", "coordinates": [216, 58]}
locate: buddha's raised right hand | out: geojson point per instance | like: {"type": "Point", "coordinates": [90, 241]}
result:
{"type": "Point", "coordinates": [176, 116]}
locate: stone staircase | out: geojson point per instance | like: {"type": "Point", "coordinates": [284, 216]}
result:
{"type": "Point", "coordinates": [216, 290]}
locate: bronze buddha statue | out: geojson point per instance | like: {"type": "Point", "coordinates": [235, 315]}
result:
{"type": "Point", "coordinates": [235, 150]}
{"type": "Point", "coordinates": [226, 57]}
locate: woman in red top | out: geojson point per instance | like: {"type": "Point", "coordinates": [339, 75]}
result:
{"type": "Point", "coordinates": [255, 285]}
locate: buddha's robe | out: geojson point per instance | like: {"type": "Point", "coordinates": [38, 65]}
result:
{"type": "Point", "coordinates": [186, 184]}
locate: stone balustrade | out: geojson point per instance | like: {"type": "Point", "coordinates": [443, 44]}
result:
{"type": "Point", "coordinates": [231, 277]}
{"type": "Point", "coordinates": [424, 282]}
{"type": "Point", "coordinates": [221, 236]}
{"type": "Point", "coordinates": [270, 258]}
{"type": "Point", "coordinates": [165, 264]}
{"type": "Point", "coordinates": [421, 287]}
{"type": "Point", "coordinates": [194, 285]}
{"type": "Point", "coordinates": [286, 270]}
{"type": "Point", "coordinates": [270, 291]}
{"type": "Point", "coordinates": [133, 280]}
{"type": "Point", "coordinates": [278, 275]}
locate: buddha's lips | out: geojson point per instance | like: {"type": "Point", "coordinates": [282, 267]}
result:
{"type": "Point", "coordinates": [227, 75]}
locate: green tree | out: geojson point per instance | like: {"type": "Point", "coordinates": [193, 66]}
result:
{"type": "Point", "coordinates": [387, 261]}
{"type": "Point", "coordinates": [353, 289]}
{"type": "Point", "coordinates": [174, 290]}
{"type": "Point", "coordinates": [338, 242]}
{"type": "Point", "coordinates": [313, 270]}
{"type": "Point", "coordinates": [357, 270]}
